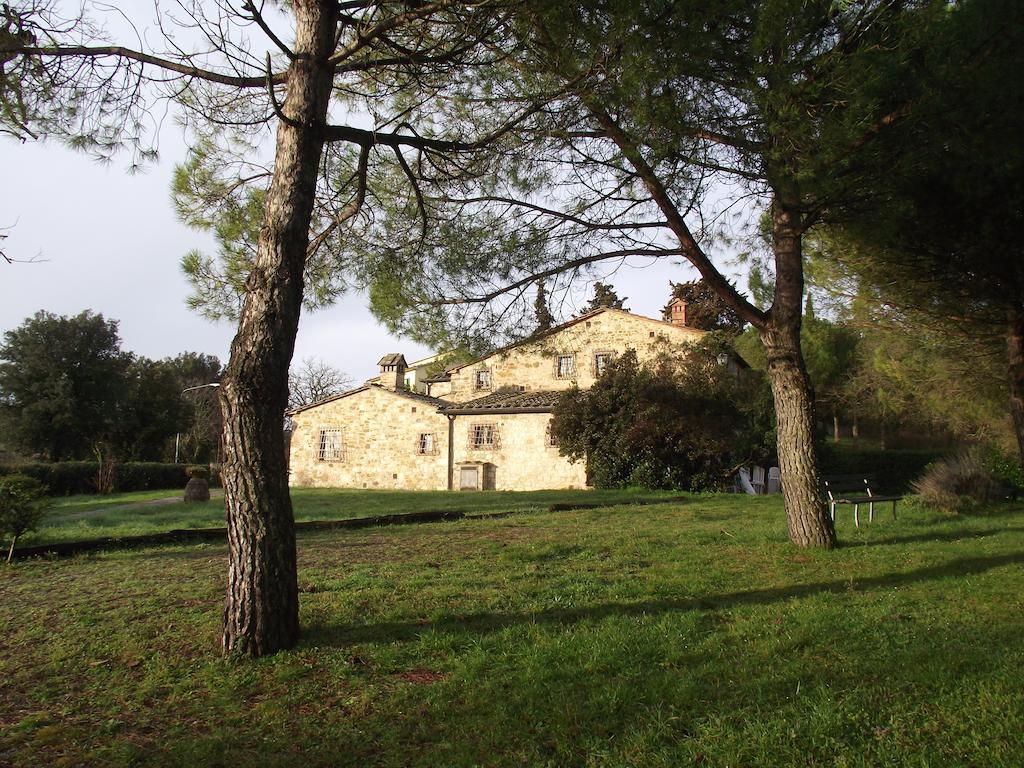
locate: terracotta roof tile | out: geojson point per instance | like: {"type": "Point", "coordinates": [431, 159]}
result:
{"type": "Point", "coordinates": [508, 400]}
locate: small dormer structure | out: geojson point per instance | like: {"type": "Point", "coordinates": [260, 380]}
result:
{"type": "Point", "coordinates": [392, 371]}
{"type": "Point", "coordinates": [677, 308]}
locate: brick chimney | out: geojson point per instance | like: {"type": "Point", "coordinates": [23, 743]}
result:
{"type": "Point", "coordinates": [392, 371]}
{"type": "Point", "coordinates": [678, 310]}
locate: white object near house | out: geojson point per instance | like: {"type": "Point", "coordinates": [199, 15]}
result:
{"type": "Point", "coordinates": [757, 480]}
{"type": "Point", "coordinates": [743, 479]}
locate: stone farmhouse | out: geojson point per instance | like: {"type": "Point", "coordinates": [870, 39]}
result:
{"type": "Point", "coordinates": [482, 425]}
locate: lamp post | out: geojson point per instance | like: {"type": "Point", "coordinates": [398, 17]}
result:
{"type": "Point", "coordinates": [177, 435]}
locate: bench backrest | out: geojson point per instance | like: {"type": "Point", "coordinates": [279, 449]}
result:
{"type": "Point", "coordinates": [844, 483]}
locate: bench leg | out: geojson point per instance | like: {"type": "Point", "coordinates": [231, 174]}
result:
{"type": "Point", "coordinates": [894, 510]}
{"type": "Point", "coordinates": [856, 515]}
{"type": "Point", "coordinates": [871, 511]}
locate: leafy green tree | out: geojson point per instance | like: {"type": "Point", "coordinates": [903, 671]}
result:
{"type": "Point", "coordinates": [200, 428]}
{"type": "Point", "coordinates": [679, 423]}
{"type": "Point", "coordinates": [22, 506]}
{"type": "Point", "coordinates": [916, 376]}
{"type": "Point", "coordinates": [62, 381]}
{"type": "Point", "coordinates": [541, 312]}
{"type": "Point", "coordinates": [151, 412]}
{"type": "Point", "coordinates": [705, 309]}
{"type": "Point", "coordinates": [945, 241]}
{"type": "Point", "coordinates": [604, 296]}
{"type": "Point", "coordinates": [831, 353]}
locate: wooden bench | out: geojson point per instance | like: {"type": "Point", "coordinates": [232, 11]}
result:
{"type": "Point", "coordinates": [855, 490]}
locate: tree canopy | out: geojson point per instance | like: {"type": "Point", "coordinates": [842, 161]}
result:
{"type": "Point", "coordinates": [705, 309]}
{"type": "Point", "coordinates": [62, 381]}
{"type": "Point", "coordinates": [605, 296]}
{"type": "Point", "coordinates": [67, 388]}
{"type": "Point", "coordinates": [313, 380]}
{"type": "Point", "coordinates": [940, 236]}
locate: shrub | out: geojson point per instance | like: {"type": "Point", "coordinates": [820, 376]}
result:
{"type": "Point", "coordinates": [1004, 466]}
{"type": "Point", "coordinates": [197, 470]}
{"type": "Point", "coordinates": [957, 484]}
{"type": "Point", "coordinates": [148, 476]}
{"type": "Point", "coordinates": [22, 506]}
{"type": "Point", "coordinates": [65, 478]}
{"type": "Point", "coordinates": [679, 422]}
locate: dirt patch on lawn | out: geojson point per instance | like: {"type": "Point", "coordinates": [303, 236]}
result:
{"type": "Point", "coordinates": [135, 505]}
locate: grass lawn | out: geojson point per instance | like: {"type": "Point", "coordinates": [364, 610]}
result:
{"type": "Point", "coordinates": [128, 514]}
{"type": "Point", "coordinates": [686, 633]}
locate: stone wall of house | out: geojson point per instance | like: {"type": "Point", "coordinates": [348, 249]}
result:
{"type": "Point", "coordinates": [534, 365]}
{"type": "Point", "coordinates": [440, 389]}
{"type": "Point", "coordinates": [381, 441]}
{"type": "Point", "coordinates": [521, 458]}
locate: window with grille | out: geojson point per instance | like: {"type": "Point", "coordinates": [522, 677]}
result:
{"type": "Point", "coordinates": [601, 360]}
{"type": "Point", "coordinates": [332, 446]}
{"type": "Point", "coordinates": [566, 366]}
{"type": "Point", "coordinates": [483, 437]}
{"type": "Point", "coordinates": [482, 379]}
{"type": "Point", "coordinates": [426, 443]}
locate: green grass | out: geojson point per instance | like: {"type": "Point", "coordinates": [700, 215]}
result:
{"type": "Point", "coordinates": [89, 517]}
{"type": "Point", "coordinates": [91, 501]}
{"type": "Point", "coordinates": [672, 635]}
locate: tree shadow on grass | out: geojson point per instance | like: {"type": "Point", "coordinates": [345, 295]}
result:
{"type": "Point", "coordinates": [947, 536]}
{"type": "Point", "coordinates": [478, 623]}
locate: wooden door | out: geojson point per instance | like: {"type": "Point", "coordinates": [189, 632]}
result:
{"type": "Point", "coordinates": [469, 478]}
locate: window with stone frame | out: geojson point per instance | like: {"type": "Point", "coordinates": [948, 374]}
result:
{"type": "Point", "coordinates": [482, 379]}
{"type": "Point", "coordinates": [331, 444]}
{"type": "Point", "coordinates": [565, 366]}
{"type": "Point", "coordinates": [483, 437]}
{"type": "Point", "coordinates": [601, 360]}
{"type": "Point", "coordinates": [426, 444]}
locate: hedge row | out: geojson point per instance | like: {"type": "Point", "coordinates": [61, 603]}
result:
{"type": "Point", "coordinates": [894, 469]}
{"type": "Point", "coordinates": [72, 477]}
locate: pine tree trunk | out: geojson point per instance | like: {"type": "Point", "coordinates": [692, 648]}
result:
{"type": "Point", "coordinates": [1015, 356]}
{"type": "Point", "coordinates": [261, 614]}
{"type": "Point", "coordinates": [806, 515]}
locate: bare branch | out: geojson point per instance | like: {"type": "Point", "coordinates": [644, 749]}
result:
{"type": "Point", "coordinates": [273, 99]}
{"type": "Point", "coordinates": [690, 248]}
{"type": "Point", "coordinates": [257, 17]}
{"type": "Point", "coordinates": [372, 138]}
{"type": "Point", "coordinates": [364, 39]}
{"type": "Point", "coordinates": [116, 51]}
{"type": "Point", "coordinates": [350, 210]}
